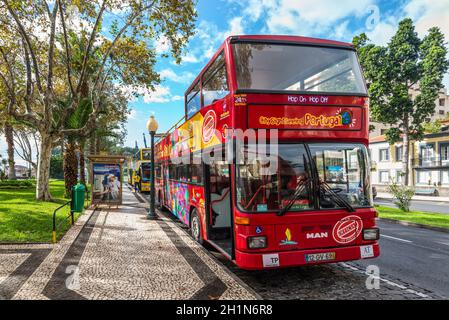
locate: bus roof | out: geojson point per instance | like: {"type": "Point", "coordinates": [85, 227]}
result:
{"type": "Point", "coordinates": [270, 38]}
{"type": "Point", "coordinates": [291, 39]}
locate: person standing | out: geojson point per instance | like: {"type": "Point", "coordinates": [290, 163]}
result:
{"type": "Point", "coordinates": [136, 183]}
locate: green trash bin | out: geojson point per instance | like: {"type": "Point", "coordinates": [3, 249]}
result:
{"type": "Point", "coordinates": [78, 195]}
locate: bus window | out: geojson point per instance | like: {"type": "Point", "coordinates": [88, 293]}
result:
{"type": "Point", "coordinates": [344, 168]}
{"type": "Point", "coordinates": [280, 67]}
{"type": "Point", "coordinates": [146, 172]}
{"type": "Point", "coordinates": [260, 191]}
{"type": "Point", "coordinates": [193, 101]}
{"type": "Point", "coordinates": [197, 173]}
{"type": "Point", "coordinates": [146, 154]}
{"type": "Point", "coordinates": [215, 84]}
{"type": "Point", "coordinates": [157, 171]}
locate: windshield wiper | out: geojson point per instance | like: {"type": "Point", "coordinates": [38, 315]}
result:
{"type": "Point", "coordinates": [339, 200]}
{"type": "Point", "coordinates": [298, 191]}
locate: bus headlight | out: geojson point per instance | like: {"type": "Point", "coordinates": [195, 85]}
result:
{"type": "Point", "coordinates": [371, 234]}
{"type": "Point", "coordinates": [259, 242]}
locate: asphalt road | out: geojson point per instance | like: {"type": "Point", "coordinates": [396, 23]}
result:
{"type": "Point", "coordinates": [416, 256]}
{"type": "Point", "coordinates": [419, 205]}
{"type": "Point", "coordinates": [413, 265]}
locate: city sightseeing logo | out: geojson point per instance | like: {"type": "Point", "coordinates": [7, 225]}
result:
{"type": "Point", "coordinates": [340, 119]}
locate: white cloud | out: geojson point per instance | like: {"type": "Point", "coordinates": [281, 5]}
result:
{"type": "Point", "coordinates": [303, 17]}
{"type": "Point", "coordinates": [183, 77]}
{"type": "Point", "coordinates": [160, 94]}
{"type": "Point", "coordinates": [162, 45]}
{"type": "Point", "coordinates": [427, 14]}
{"type": "Point", "coordinates": [177, 98]}
{"type": "Point", "coordinates": [190, 58]}
{"type": "Point", "coordinates": [383, 31]}
{"type": "Point", "coordinates": [235, 27]}
{"type": "Point", "coordinates": [341, 31]}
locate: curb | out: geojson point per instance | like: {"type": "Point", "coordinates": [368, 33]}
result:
{"type": "Point", "coordinates": [429, 200]}
{"type": "Point", "coordinates": [416, 225]}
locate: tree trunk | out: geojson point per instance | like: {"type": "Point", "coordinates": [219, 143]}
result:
{"type": "Point", "coordinates": [405, 157]}
{"type": "Point", "coordinates": [82, 164]}
{"type": "Point", "coordinates": [9, 137]}
{"type": "Point", "coordinates": [70, 167]}
{"type": "Point", "coordinates": [43, 169]}
{"type": "Point", "coordinates": [97, 145]}
{"type": "Point", "coordinates": [92, 144]}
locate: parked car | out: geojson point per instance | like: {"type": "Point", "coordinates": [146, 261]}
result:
{"type": "Point", "coordinates": [374, 192]}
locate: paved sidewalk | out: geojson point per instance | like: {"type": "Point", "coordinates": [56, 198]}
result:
{"type": "Point", "coordinates": [385, 195]}
{"type": "Point", "coordinates": [117, 254]}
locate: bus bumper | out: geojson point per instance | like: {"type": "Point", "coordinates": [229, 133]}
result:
{"type": "Point", "coordinates": [294, 258]}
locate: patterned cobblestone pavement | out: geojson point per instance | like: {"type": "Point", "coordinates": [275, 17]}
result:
{"type": "Point", "coordinates": [344, 281]}
{"type": "Point", "coordinates": [117, 254]}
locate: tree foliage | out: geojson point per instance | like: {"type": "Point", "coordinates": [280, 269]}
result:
{"type": "Point", "coordinates": [54, 55]}
{"type": "Point", "coordinates": [406, 63]}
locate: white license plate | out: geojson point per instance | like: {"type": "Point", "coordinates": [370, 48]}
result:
{"type": "Point", "coordinates": [326, 256]}
{"type": "Point", "coordinates": [366, 252]}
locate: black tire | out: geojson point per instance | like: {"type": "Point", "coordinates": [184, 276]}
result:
{"type": "Point", "coordinates": [195, 227]}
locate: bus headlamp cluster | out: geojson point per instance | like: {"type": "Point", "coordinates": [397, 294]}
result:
{"type": "Point", "coordinates": [371, 234]}
{"type": "Point", "coordinates": [258, 242]}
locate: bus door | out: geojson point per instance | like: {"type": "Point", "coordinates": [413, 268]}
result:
{"type": "Point", "coordinates": [219, 219]}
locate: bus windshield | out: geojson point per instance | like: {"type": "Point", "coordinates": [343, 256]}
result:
{"type": "Point", "coordinates": [146, 171]}
{"type": "Point", "coordinates": [279, 67]}
{"type": "Point", "coordinates": [340, 167]}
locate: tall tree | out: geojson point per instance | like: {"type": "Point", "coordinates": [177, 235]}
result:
{"type": "Point", "coordinates": [9, 137]}
{"type": "Point", "coordinates": [392, 71]}
{"type": "Point", "coordinates": [47, 77]}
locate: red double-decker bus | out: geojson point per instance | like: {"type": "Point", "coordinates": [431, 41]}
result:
{"type": "Point", "coordinates": [307, 99]}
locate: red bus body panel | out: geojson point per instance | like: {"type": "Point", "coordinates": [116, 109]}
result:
{"type": "Point", "coordinates": [298, 118]}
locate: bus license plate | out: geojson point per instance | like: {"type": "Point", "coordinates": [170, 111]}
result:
{"type": "Point", "coordinates": [326, 256]}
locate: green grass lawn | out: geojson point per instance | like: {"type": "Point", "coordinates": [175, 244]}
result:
{"type": "Point", "coordinates": [23, 219]}
{"type": "Point", "coordinates": [427, 218]}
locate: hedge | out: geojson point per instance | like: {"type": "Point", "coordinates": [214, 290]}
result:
{"type": "Point", "coordinates": [13, 184]}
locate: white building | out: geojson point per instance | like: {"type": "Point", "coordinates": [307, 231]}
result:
{"type": "Point", "coordinates": [429, 163]}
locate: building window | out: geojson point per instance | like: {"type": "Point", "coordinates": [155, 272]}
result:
{"type": "Point", "coordinates": [399, 151]}
{"type": "Point", "coordinates": [444, 151]}
{"type": "Point", "coordinates": [384, 155]}
{"type": "Point", "coordinates": [441, 102]}
{"type": "Point", "coordinates": [445, 177]}
{"type": "Point", "coordinates": [441, 112]}
{"type": "Point", "coordinates": [384, 176]}
{"type": "Point", "coordinates": [426, 151]}
{"type": "Point", "coordinates": [423, 177]}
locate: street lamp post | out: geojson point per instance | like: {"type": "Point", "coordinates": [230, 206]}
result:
{"type": "Point", "coordinates": [152, 128]}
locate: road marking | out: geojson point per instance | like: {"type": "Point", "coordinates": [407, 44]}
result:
{"type": "Point", "coordinates": [445, 243]}
{"type": "Point", "coordinates": [389, 282]}
{"type": "Point", "coordinates": [394, 238]}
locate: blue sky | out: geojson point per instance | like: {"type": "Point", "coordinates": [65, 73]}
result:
{"type": "Point", "coordinates": [217, 19]}
{"type": "Point", "coordinates": [338, 20]}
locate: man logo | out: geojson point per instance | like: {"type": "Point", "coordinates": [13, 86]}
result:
{"type": "Point", "coordinates": [317, 235]}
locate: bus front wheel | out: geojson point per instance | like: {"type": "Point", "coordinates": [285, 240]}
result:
{"type": "Point", "coordinates": [195, 227]}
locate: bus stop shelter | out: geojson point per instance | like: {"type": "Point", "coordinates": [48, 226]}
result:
{"type": "Point", "coordinates": [106, 179]}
